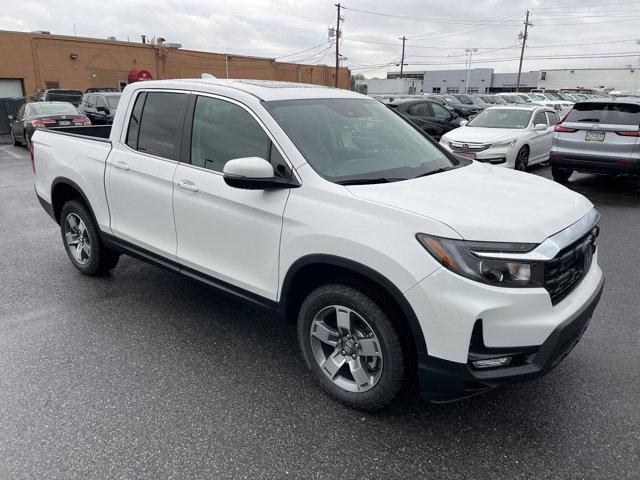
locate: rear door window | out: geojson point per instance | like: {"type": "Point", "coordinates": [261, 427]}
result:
{"type": "Point", "coordinates": [158, 128]}
{"type": "Point", "coordinates": [602, 112]}
{"type": "Point", "coordinates": [552, 118]}
{"type": "Point", "coordinates": [420, 110]}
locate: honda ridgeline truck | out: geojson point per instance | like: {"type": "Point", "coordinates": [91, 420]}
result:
{"type": "Point", "coordinates": [393, 257]}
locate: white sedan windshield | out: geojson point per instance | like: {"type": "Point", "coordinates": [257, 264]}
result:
{"type": "Point", "coordinates": [501, 118]}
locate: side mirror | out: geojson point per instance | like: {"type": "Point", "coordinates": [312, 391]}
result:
{"type": "Point", "coordinates": [10, 117]}
{"type": "Point", "coordinates": [102, 109]}
{"type": "Point", "coordinates": [253, 173]}
{"type": "Point", "coordinates": [539, 127]}
{"type": "Point", "coordinates": [463, 122]}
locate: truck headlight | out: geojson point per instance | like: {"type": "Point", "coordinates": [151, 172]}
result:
{"type": "Point", "coordinates": [504, 143]}
{"type": "Point", "coordinates": [458, 256]}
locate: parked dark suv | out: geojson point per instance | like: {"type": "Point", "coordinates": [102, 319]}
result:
{"type": "Point", "coordinates": [432, 117]}
{"type": "Point", "coordinates": [100, 107]}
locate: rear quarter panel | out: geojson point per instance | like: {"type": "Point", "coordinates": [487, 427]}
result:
{"type": "Point", "coordinates": [82, 161]}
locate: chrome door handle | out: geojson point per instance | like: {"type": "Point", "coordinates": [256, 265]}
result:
{"type": "Point", "coordinates": [187, 185]}
{"type": "Point", "coordinates": [121, 165]}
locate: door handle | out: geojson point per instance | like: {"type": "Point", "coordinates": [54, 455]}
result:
{"type": "Point", "coordinates": [121, 165]}
{"type": "Point", "coordinates": [187, 185]}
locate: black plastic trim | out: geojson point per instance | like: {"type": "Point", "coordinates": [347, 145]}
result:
{"type": "Point", "coordinates": [71, 183]}
{"type": "Point", "coordinates": [140, 253]}
{"type": "Point", "coordinates": [445, 381]}
{"type": "Point", "coordinates": [47, 206]}
{"type": "Point", "coordinates": [594, 163]}
{"type": "Point", "coordinates": [396, 294]}
{"type": "Point", "coordinates": [248, 183]}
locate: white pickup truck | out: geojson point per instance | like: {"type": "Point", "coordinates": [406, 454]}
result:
{"type": "Point", "coordinates": [395, 258]}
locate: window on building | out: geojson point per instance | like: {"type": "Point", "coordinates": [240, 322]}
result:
{"type": "Point", "coordinates": [223, 131]}
{"type": "Point", "coordinates": [453, 90]}
{"type": "Point", "coordinates": [51, 84]}
{"type": "Point", "coordinates": [472, 90]}
{"type": "Point", "coordinates": [435, 90]}
{"type": "Point", "coordinates": [155, 123]}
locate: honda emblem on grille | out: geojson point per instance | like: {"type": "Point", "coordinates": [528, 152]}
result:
{"type": "Point", "coordinates": [465, 145]}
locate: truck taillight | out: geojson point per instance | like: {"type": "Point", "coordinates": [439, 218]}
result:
{"type": "Point", "coordinates": [42, 123]}
{"type": "Point", "coordinates": [33, 160]}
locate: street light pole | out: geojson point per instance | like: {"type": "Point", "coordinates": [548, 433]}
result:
{"type": "Point", "coordinates": [470, 52]}
{"type": "Point", "coordinates": [635, 78]}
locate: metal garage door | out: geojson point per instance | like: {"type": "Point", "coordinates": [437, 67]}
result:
{"type": "Point", "coordinates": [10, 87]}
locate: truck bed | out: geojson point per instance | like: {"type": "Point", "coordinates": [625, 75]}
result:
{"type": "Point", "coordinates": [92, 132]}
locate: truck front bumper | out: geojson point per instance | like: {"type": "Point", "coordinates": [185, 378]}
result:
{"type": "Point", "coordinates": [444, 381]}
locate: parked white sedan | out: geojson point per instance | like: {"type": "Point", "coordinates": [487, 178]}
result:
{"type": "Point", "coordinates": [509, 136]}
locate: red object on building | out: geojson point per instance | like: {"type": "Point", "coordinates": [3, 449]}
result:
{"type": "Point", "coordinates": [139, 76]}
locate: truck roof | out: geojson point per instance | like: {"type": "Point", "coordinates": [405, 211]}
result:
{"type": "Point", "coordinates": [263, 89]}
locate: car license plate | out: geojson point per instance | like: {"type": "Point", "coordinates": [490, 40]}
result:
{"type": "Point", "coordinates": [469, 155]}
{"type": "Point", "coordinates": [592, 136]}
{"type": "Point", "coordinates": [64, 122]}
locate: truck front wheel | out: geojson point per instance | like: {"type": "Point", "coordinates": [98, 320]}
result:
{"type": "Point", "coordinates": [82, 241]}
{"type": "Point", "coordinates": [351, 346]}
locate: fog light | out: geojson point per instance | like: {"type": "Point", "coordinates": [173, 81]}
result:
{"type": "Point", "coordinates": [492, 362]}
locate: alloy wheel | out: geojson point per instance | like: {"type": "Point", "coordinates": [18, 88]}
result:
{"type": "Point", "coordinates": [77, 237]}
{"type": "Point", "coordinates": [522, 160]}
{"type": "Point", "coordinates": [346, 348]}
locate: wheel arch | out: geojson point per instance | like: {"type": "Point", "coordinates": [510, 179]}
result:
{"type": "Point", "coordinates": [311, 271]}
{"type": "Point", "coordinates": [64, 189]}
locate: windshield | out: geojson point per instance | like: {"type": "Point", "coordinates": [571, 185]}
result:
{"type": "Point", "coordinates": [478, 101]}
{"type": "Point", "coordinates": [352, 140]}
{"type": "Point", "coordinates": [499, 100]}
{"type": "Point", "coordinates": [501, 118]}
{"type": "Point", "coordinates": [52, 109]}
{"type": "Point", "coordinates": [603, 112]}
{"type": "Point", "coordinates": [534, 96]}
{"type": "Point", "coordinates": [451, 99]}
{"type": "Point", "coordinates": [464, 99]}
{"type": "Point", "coordinates": [112, 101]}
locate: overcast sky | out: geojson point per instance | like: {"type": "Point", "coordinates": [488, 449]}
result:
{"type": "Point", "coordinates": [438, 31]}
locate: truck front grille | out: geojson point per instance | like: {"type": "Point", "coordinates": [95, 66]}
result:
{"type": "Point", "coordinates": [564, 272]}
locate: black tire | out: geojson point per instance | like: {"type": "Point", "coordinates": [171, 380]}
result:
{"type": "Point", "coordinates": [391, 377]}
{"type": "Point", "coordinates": [100, 260]}
{"type": "Point", "coordinates": [16, 143]}
{"type": "Point", "coordinates": [522, 159]}
{"type": "Point", "coordinates": [561, 174]}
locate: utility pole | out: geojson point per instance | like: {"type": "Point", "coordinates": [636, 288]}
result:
{"type": "Point", "coordinates": [524, 42]}
{"type": "Point", "coordinates": [337, 45]}
{"type": "Point", "coordinates": [404, 39]}
{"type": "Point", "coordinates": [470, 52]}
{"type": "Point", "coordinates": [635, 78]}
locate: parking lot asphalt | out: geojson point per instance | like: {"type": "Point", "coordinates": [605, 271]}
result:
{"type": "Point", "coordinates": [148, 374]}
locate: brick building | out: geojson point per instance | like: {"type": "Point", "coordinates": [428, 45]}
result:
{"type": "Point", "coordinates": [30, 62]}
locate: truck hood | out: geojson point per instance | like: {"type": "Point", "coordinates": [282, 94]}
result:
{"type": "Point", "coordinates": [485, 203]}
{"type": "Point", "coordinates": [482, 134]}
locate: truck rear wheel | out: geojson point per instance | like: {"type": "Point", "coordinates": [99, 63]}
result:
{"type": "Point", "coordinates": [351, 346]}
{"type": "Point", "coordinates": [82, 241]}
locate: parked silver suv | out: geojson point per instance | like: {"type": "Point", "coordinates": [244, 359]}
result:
{"type": "Point", "coordinates": [598, 136]}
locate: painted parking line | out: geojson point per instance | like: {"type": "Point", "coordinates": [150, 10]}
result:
{"type": "Point", "coordinates": [11, 151]}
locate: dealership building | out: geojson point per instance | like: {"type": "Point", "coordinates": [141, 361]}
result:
{"type": "Point", "coordinates": [485, 80]}
{"type": "Point", "coordinates": [480, 80]}
{"type": "Point", "coordinates": [37, 61]}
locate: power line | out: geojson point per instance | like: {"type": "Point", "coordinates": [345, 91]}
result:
{"type": "Point", "coordinates": [303, 51]}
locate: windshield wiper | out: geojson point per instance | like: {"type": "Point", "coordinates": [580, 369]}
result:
{"type": "Point", "coordinates": [365, 181]}
{"type": "Point", "coordinates": [437, 170]}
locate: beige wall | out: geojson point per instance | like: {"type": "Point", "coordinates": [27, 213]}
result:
{"type": "Point", "coordinates": [37, 59]}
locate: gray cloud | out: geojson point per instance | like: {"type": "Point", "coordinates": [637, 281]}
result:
{"type": "Point", "coordinates": [274, 28]}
